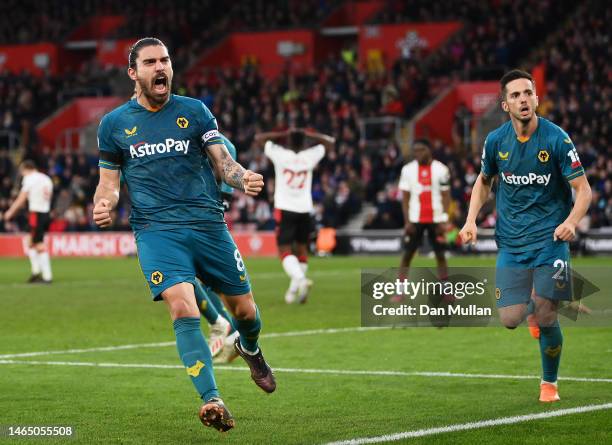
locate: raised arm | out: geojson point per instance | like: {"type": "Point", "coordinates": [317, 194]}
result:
{"type": "Point", "coordinates": [480, 194]}
{"type": "Point", "coordinates": [261, 138]}
{"type": "Point", "coordinates": [327, 141]}
{"type": "Point", "coordinates": [106, 197]}
{"type": "Point", "coordinates": [232, 173]}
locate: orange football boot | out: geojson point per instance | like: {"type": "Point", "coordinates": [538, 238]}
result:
{"type": "Point", "coordinates": [534, 329]}
{"type": "Point", "coordinates": [548, 392]}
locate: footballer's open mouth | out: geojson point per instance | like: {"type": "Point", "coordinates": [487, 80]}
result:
{"type": "Point", "coordinates": [160, 84]}
{"type": "Point", "coordinates": [524, 109]}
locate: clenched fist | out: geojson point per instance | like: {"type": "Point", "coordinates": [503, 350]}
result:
{"type": "Point", "coordinates": [101, 213]}
{"type": "Point", "coordinates": [468, 233]}
{"type": "Point", "coordinates": [565, 232]}
{"type": "Point", "coordinates": [253, 183]}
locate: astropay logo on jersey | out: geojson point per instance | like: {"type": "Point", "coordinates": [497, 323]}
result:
{"type": "Point", "coordinates": [529, 179]}
{"type": "Point", "coordinates": [145, 149]}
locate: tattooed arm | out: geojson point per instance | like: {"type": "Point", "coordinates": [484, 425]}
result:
{"type": "Point", "coordinates": [232, 173]}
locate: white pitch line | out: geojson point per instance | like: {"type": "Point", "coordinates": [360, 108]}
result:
{"type": "Point", "coordinates": [97, 349]}
{"type": "Point", "coordinates": [92, 364]}
{"type": "Point", "coordinates": [324, 331]}
{"type": "Point", "coordinates": [512, 377]}
{"type": "Point", "coordinates": [310, 371]}
{"type": "Point", "coordinates": [172, 343]}
{"type": "Point", "coordinates": [473, 425]}
{"type": "Point", "coordinates": [255, 277]}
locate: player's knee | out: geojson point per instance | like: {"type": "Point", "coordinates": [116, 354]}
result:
{"type": "Point", "coordinates": [510, 321]}
{"type": "Point", "coordinates": [245, 310]}
{"type": "Point", "coordinates": [180, 308]}
{"type": "Point", "coordinates": [546, 319]}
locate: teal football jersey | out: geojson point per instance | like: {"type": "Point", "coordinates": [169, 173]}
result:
{"type": "Point", "coordinates": [160, 157]}
{"type": "Point", "coordinates": [532, 192]}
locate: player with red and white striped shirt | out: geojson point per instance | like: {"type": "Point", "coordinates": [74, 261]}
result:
{"type": "Point", "coordinates": [425, 186]}
{"type": "Point", "coordinates": [37, 190]}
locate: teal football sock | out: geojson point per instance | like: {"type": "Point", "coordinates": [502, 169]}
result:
{"type": "Point", "coordinates": [207, 309]}
{"type": "Point", "coordinates": [249, 332]}
{"type": "Point", "coordinates": [215, 300]}
{"type": "Point", "coordinates": [194, 353]}
{"type": "Point", "coordinates": [551, 343]}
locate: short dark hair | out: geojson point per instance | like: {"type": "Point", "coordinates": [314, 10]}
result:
{"type": "Point", "coordinates": [136, 47]}
{"type": "Point", "coordinates": [296, 139]}
{"type": "Point", "coordinates": [422, 141]}
{"type": "Point", "coordinates": [513, 75]}
{"type": "Point", "coordinates": [28, 164]}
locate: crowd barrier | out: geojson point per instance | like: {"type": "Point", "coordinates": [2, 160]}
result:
{"type": "Point", "coordinates": [263, 244]}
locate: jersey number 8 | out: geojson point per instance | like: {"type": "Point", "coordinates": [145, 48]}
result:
{"type": "Point", "coordinates": [239, 262]}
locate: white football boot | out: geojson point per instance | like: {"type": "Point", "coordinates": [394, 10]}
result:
{"type": "Point", "coordinates": [218, 333]}
{"type": "Point", "coordinates": [228, 352]}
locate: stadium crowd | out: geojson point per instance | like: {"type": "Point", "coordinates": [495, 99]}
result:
{"type": "Point", "coordinates": [332, 99]}
{"type": "Point", "coordinates": [176, 21]}
{"type": "Point", "coordinates": [580, 99]}
{"type": "Point", "coordinates": [494, 37]}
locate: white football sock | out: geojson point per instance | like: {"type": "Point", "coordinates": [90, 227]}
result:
{"type": "Point", "coordinates": [45, 265]}
{"type": "Point", "coordinates": [249, 352]}
{"type": "Point", "coordinates": [293, 285]}
{"type": "Point", "coordinates": [34, 262]}
{"type": "Point", "coordinates": [304, 267]}
{"type": "Point", "coordinates": [292, 267]}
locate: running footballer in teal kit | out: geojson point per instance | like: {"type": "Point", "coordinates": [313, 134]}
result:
{"type": "Point", "coordinates": [169, 153]}
{"type": "Point", "coordinates": [537, 166]}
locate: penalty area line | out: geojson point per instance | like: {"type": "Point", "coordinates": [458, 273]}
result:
{"type": "Point", "coordinates": [473, 425]}
{"type": "Point", "coordinates": [337, 372]}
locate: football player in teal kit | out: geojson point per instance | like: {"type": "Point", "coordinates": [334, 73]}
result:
{"type": "Point", "coordinates": [157, 141]}
{"type": "Point", "coordinates": [537, 166]}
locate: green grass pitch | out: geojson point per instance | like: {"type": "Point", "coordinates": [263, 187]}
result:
{"type": "Point", "coordinates": [105, 302]}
